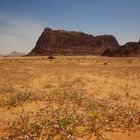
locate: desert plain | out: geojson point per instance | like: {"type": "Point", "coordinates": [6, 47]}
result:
{"type": "Point", "coordinates": [69, 97]}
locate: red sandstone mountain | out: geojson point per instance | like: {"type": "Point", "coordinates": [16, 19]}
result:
{"type": "Point", "coordinates": [61, 42]}
{"type": "Point", "coordinates": [130, 49]}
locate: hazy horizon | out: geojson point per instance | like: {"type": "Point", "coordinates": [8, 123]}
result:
{"type": "Point", "coordinates": [22, 22]}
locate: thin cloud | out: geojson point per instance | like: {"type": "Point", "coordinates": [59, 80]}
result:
{"type": "Point", "coordinates": [15, 33]}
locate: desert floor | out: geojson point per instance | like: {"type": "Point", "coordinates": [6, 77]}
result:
{"type": "Point", "coordinates": [80, 98]}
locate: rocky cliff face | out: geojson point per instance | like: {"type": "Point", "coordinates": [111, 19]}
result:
{"type": "Point", "coordinates": [61, 42]}
{"type": "Point", "coordinates": [131, 49]}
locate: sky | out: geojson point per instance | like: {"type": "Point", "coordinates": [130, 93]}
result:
{"type": "Point", "coordinates": [22, 21]}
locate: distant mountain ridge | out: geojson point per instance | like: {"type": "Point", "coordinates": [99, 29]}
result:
{"type": "Point", "coordinates": [15, 54]}
{"type": "Point", "coordinates": [61, 42]}
{"type": "Point", "coordinates": [1, 55]}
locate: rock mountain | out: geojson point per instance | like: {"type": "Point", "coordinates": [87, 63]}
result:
{"type": "Point", "coordinates": [131, 49]}
{"type": "Point", "coordinates": [61, 42]}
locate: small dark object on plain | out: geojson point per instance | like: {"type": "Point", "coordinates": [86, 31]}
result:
{"type": "Point", "coordinates": [50, 57]}
{"type": "Point", "coordinates": [105, 63]}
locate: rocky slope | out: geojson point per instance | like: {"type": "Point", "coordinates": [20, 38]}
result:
{"type": "Point", "coordinates": [61, 42]}
{"type": "Point", "coordinates": [130, 49]}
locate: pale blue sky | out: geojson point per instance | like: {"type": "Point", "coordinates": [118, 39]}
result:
{"type": "Point", "coordinates": [22, 21]}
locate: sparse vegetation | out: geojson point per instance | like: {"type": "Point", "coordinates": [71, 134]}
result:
{"type": "Point", "coordinates": [66, 111]}
{"type": "Point", "coordinates": [61, 107]}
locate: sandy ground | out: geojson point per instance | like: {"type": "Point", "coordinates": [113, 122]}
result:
{"type": "Point", "coordinates": [99, 76]}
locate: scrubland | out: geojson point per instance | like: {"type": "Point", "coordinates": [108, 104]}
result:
{"type": "Point", "coordinates": [69, 98]}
